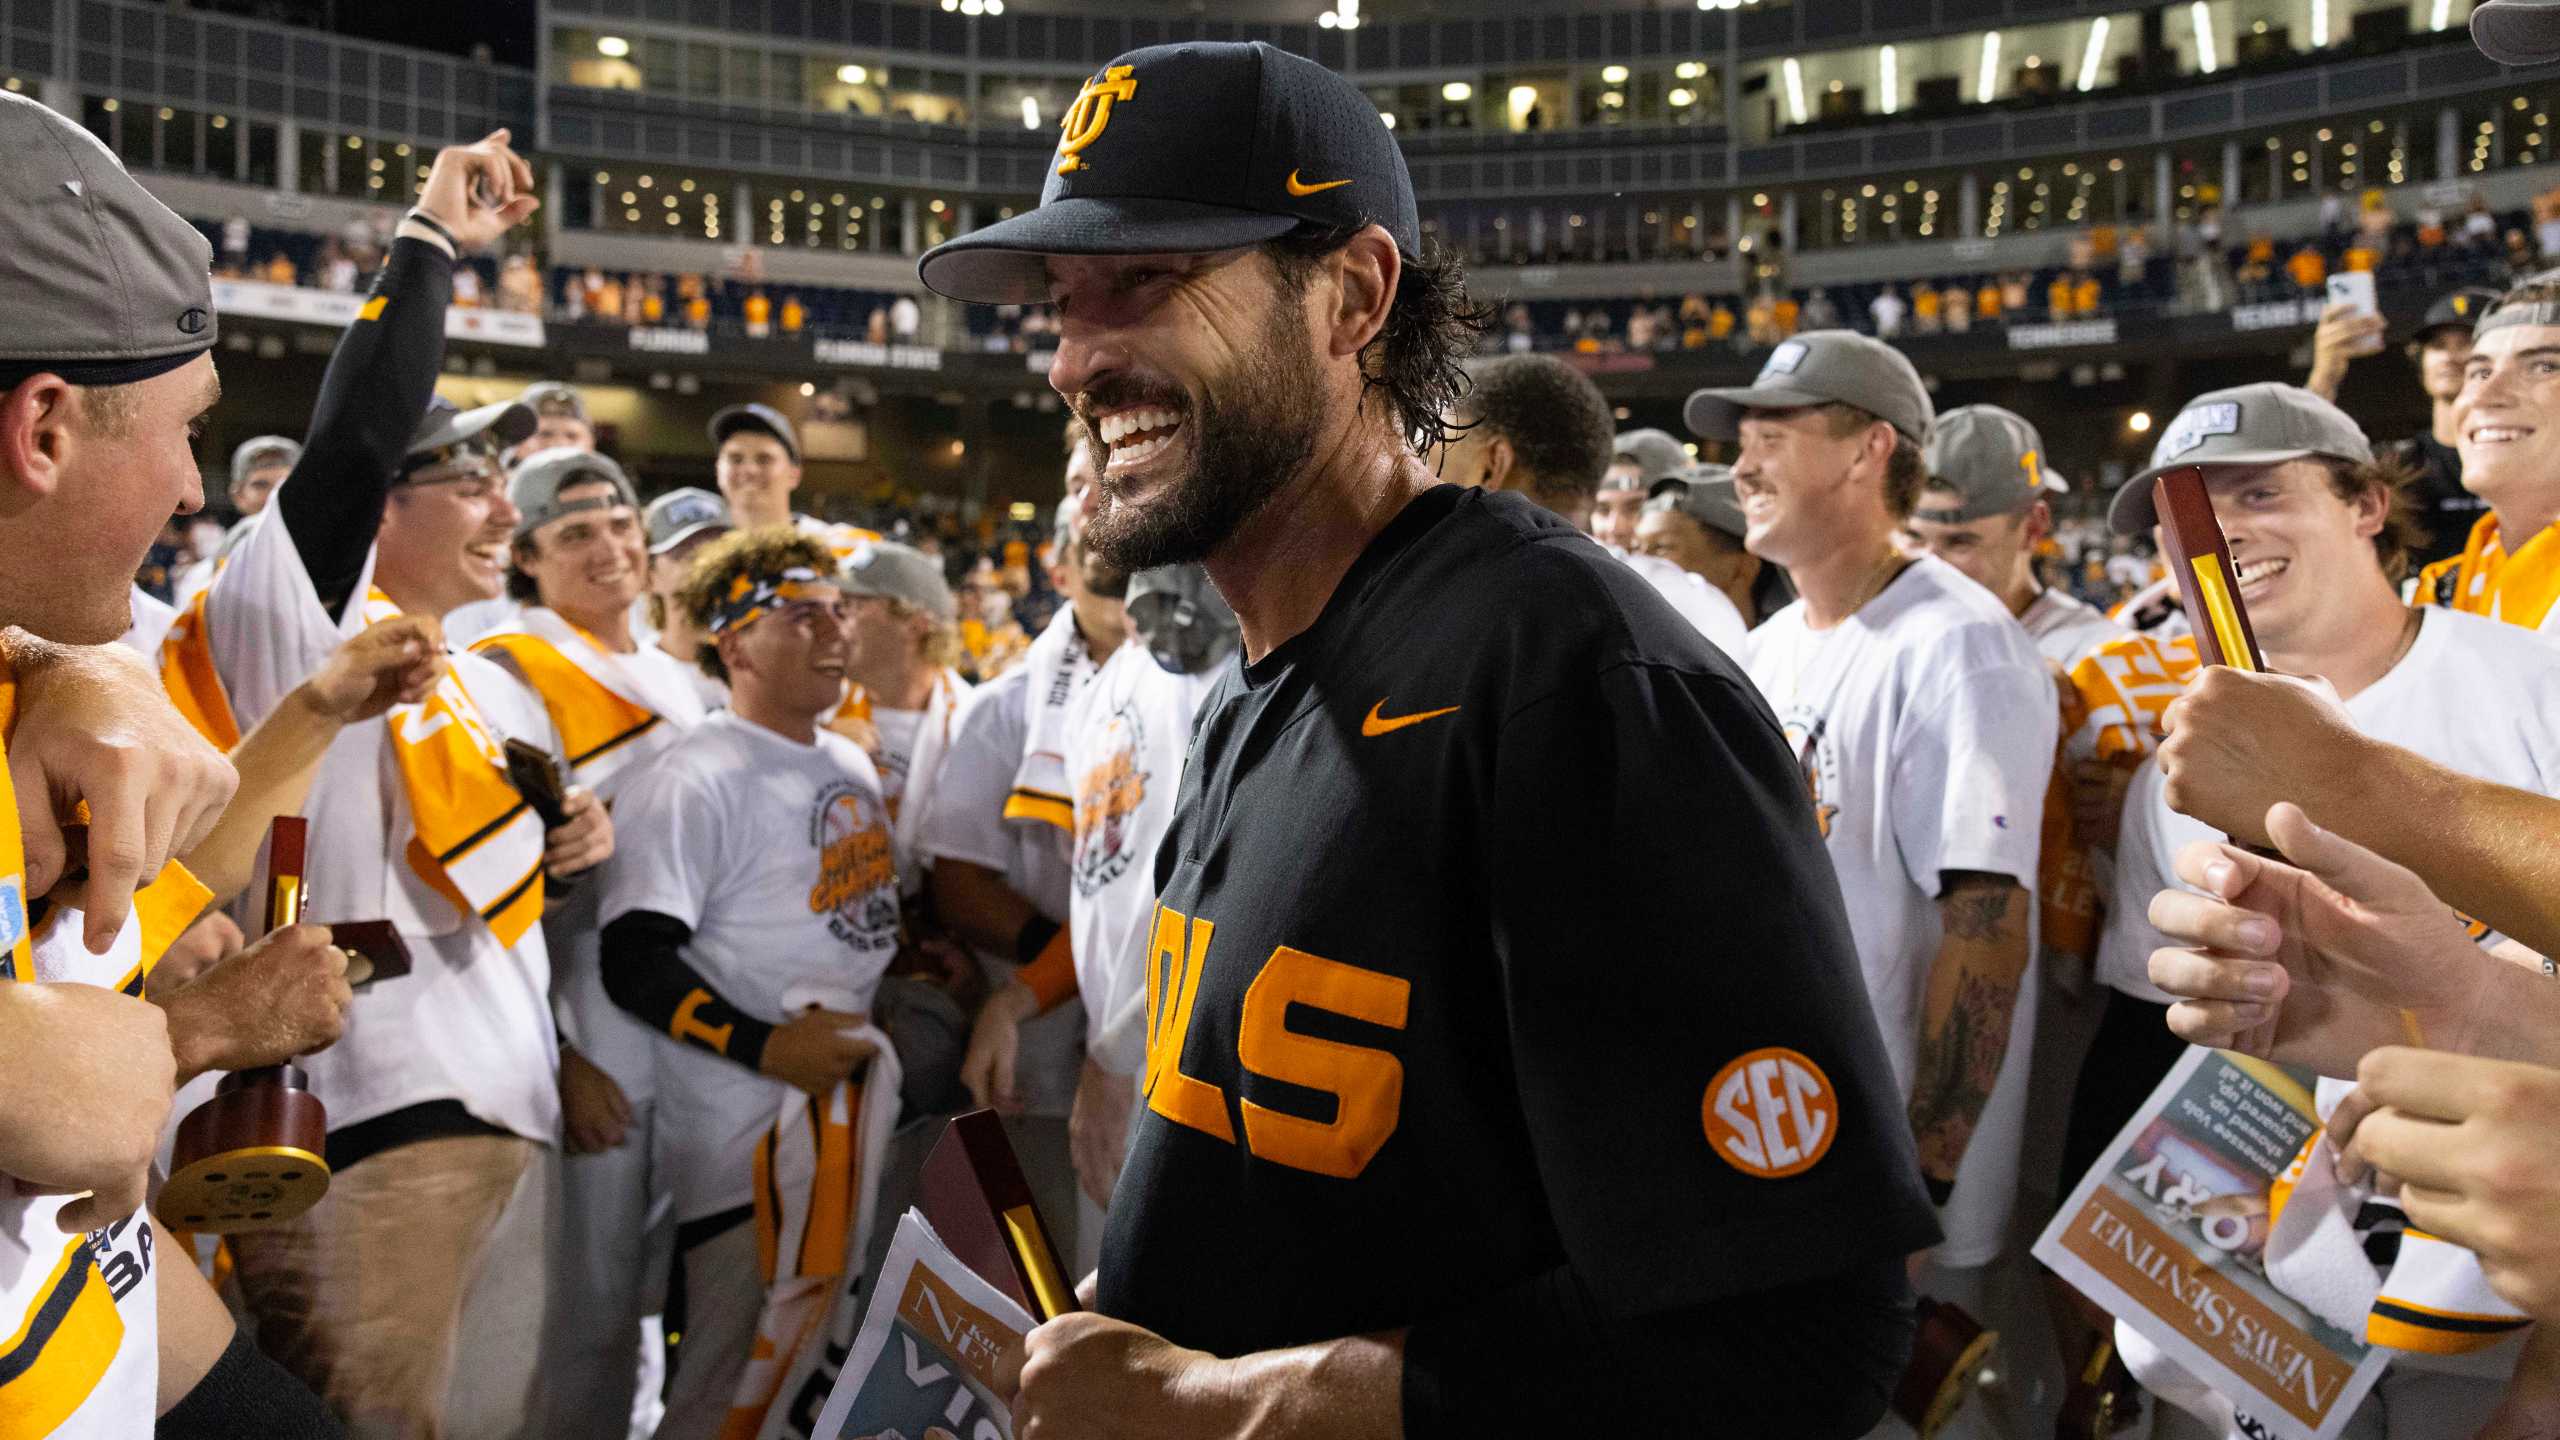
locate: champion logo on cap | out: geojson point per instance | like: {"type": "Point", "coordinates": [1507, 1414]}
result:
{"type": "Point", "coordinates": [2194, 426]}
{"type": "Point", "coordinates": [1090, 115]}
{"type": "Point", "coordinates": [1784, 359]}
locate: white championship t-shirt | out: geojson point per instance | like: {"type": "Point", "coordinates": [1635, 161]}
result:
{"type": "Point", "coordinates": [1126, 741]}
{"type": "Point", "coordinates": [1707, 609]}
{"type": "Point", "coordinates": [472, 1021]}
{"type": "Point", "coordinates": [967, 822]}
{"type": "Point", "coordinates": [2066, 628]}
{"type": "Point", "coordinates": [1925, 724]}
{"type": "Point", "coordinates": [777, 856]}
{"type": "Point", "coordinates": [2472, 694]}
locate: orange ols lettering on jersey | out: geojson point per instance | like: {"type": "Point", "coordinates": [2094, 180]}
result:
{"type": "Point", "coordinates": [1771, 1113]}
{"type": "Point", "coordinates": [1367, 1084]}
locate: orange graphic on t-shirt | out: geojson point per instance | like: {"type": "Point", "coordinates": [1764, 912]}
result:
{"type": "Point", "coordinates": [1110, 791]}
{"type": "Point", "coordinates": [1771, 1113]}
{"type": "Point", "coordinates": [854, 863]}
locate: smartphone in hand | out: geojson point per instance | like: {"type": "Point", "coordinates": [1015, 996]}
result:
{"type": "Point", "coordinates": [2354, 289]}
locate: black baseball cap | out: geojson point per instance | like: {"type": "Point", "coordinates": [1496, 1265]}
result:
{"type": "Point", "coordinates": [2517, 32]}
{"type": "Point", "coordinates": [756, 417]}
{"type": "Point", "coordinates": [2458, 311]}
{"type": "Point", "coordinates": [1182, 149]}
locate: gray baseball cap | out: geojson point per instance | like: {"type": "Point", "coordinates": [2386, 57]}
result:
{"type": "Point", "coordinates": [903, 573]}
{"type": "Point", "coordinates": [446, 433]}
{"type": "Point", "coordinates": [1991, 457]}
{"type": "Point", "coordinates": [2246, 426]}
{"type": "Point", "coordinates": [2517, 32]}
{"type": "Point", "coordinates": [679, 515]}
{"type": "Point", "coordinates": [756, 417]}
{"type": "Point", "coordinates": [555, 397]}
{"type": "Point", "coordinates": [104, 284]}
{"type": "Point", "coordinates": [1653, 452]}
{"type": "Point", "coordinates": [1820, 367]}
{"type": "Point", "coordinates": [260, 451]}
{"type": "Point", "coordinates": [1705, 494]}
{"type": "Point", "coordinates": [1181, 618]}
{"type": "Point", "coordinates": [540, 477]}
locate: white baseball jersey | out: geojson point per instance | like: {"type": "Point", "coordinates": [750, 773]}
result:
{"type": "Point", "coordinates": [967, 822]}
{"type": "Point", "coordinates": [472, 1022]}
{"type": "Point", "coordinates": [80, 1314]}
{"type": "Point", "coordinates": [913, 744]}
{"type": "Point", "coordinates": [1926, 726]}
{"type": "Point", "coordinates": [651, 680]}
{"type": "Point", "coordinates": [2473, 694]}
{"type": "Point", "coordinates": [1127, 738]}
{"type": "Point", "coordinates": [2066, 628]}
{"type": "Point", "coordinates": [777, 855]}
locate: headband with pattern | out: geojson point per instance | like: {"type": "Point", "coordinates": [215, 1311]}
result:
{"type": "Point", "coordinates": [751, 596]}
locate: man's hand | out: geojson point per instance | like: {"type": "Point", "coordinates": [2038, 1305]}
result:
{"type": "Point", "coordinates": [91, 1076]}
{"type": "Point", "coordinates": [583, 841]}
{"type": "Point", "coordinates": [2476, 1147]}
{"type": "Point", "coordinates": [397, 662]}
{"type": "Point", "coordinates": [594, 1113]}
{"type": "Point", "coordinates": [479, 191]}
{"type": "Point", "coordinates": [2312, 965]}
{"type": "Point", "coordinates": [193, 953]}
{"type": "Point", "coordinates": [284, 996]}
{"type": "Point", "coordinates": [994, 1043]}
{"type": "Point", "coordinates": [2344, 334]}
{"type": "Point", "coordinates": [817, 1050]}
{"type": "Point", "coordinates": [2238, 743]}
{"type": "Point", "coordinates": [1089, 1375]}
{"type": "Point", "coordinates": [1098, 1129]}
{"type": "Point", "coordinates": [94, 727]}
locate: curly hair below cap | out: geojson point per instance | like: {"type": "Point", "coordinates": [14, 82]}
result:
{"type": "Point", "coordinates": [1432, 327]}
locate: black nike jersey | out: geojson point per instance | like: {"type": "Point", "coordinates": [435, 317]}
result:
{"type": "Point", "coordinates": [1495, 935]}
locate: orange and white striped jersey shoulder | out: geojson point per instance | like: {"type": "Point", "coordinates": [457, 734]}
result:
{"type": "Point", "coordinates": [2518, 588]}
{"type": "Point", "coordinates": [2119, 692]}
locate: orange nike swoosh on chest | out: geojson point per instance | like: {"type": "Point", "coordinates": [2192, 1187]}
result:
{"type": "Point", "coordinates": [1373, 724]}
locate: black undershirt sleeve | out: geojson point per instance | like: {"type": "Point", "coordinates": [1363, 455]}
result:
{"type": "Point", "coordinates": [246, 1396]}
{"type": "Point", "coordinates": [371, 400]}
{"type": "Point", "coordinates": [1812, 1360]}
{"type": "Point", "coordinates": [646, 974]}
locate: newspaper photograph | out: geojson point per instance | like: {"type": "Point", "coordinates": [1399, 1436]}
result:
{"type": "Point", "coordinates": [923, 1366]}
{"type": "Point", "coordinates": [2169, 1235]}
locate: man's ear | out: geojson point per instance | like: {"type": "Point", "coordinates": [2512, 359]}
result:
{"type": "Point", "coordinates": [35, 440]}
{"type": "Point", "coordinates": [1365, 273]}
{"type": "Point", "coordinates": [732, 653]}
{"type": "Point", "coordinates": [1499, 461]}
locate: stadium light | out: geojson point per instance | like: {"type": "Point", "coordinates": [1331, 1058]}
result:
{"type": "Point", "coordinates": [2096, 52]}
{"type": "Point", "coordinates": [1889, 78]}
{"type": "Point", "coordinates": [2319, 23]}
{"type": "Point", "coordinates": [2139, 422]}
{"type": "Point", "coordinates": [1795, 91]}
{"type": "Point", "coordinates": [1987, 83]}
{"type": "Point", "coordinates": [614, 47]}
{"type": "Point", "coordinates": [2443, 15]}
{"type": "Point", "coordinates": [852, 74]}
{"type": "Point", "coordinates": [1682, 97]}
{"type": "Point", "coordinates": [2206, 62]}
{"type": "Point", "coordinates": [1030, 112]}
{"type": "Point", "coordinates": [1613, 74]}
{"type": "Point", "coordinates": [1457, 92]}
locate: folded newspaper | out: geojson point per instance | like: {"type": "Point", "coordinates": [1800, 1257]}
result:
{"type": "Point", "coordinates": [2169, 1235]}
{"type": "Point", "coordinates": [923, 1366]}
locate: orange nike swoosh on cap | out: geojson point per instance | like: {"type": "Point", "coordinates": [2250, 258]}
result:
{"type": "Point", "coordinates": [1374, 725]}
{"type": "Point", "coordinates": [1300, 187]}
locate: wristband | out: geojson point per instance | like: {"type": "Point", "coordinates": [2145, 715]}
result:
{"type": "Point", "coordinates": [1033, 938]}
{"type": "Point", "coordinates": [432, 223]}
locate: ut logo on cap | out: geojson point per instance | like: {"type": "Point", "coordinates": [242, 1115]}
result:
{"type": "Point", "coordinates": [1091, 114]}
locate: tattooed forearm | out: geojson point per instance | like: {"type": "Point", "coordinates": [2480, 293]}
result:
{"type": "Point", "coordinates": [1964, 1032]}
{"type": "Point", "coordinates": [1974, 906]}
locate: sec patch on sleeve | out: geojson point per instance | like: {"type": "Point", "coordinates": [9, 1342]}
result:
{"type": "Point", "coordinates": [1771, 1113]}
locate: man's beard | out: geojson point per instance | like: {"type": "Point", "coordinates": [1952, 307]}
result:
{"type": "Point", "coordinates": [1253, 430]}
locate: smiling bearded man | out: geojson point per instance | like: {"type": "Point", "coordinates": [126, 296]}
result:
{"type": "Point", "coordinates": [1428, 1142]}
